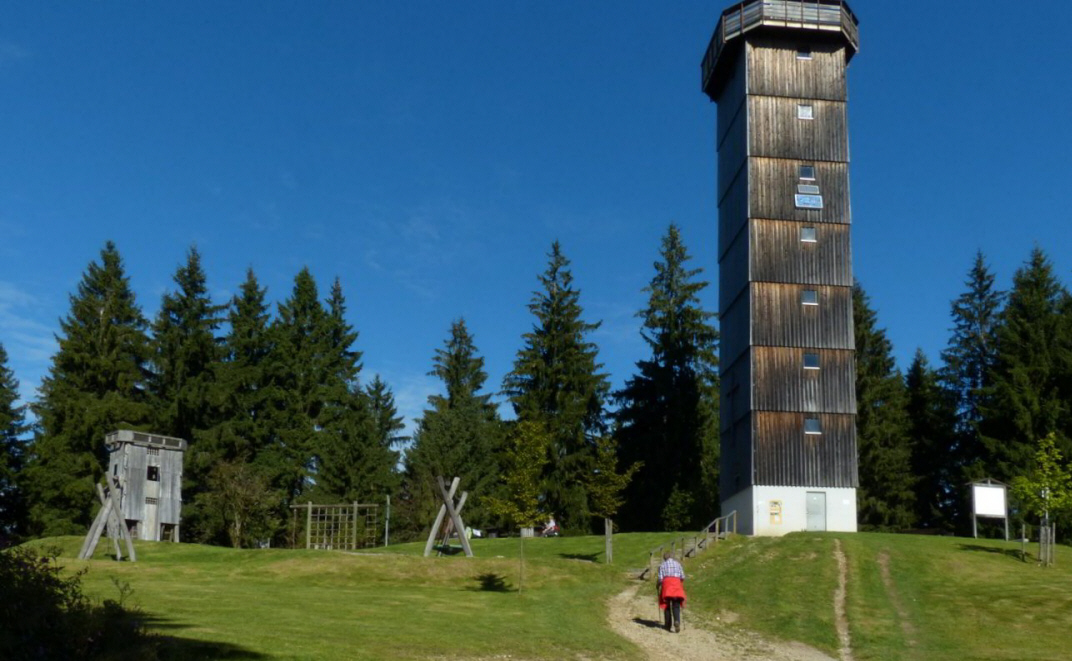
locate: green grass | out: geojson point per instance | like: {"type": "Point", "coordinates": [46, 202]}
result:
{"type": "Point", "coordinates": [211, 602]}
{"type": "Point", "coordinates": [947, 598]}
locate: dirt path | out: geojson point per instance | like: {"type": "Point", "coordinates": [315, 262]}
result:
{"type": "Point", "coordinates": [841, 620]}
{"type": "Point", "coordinates": [634, 615]}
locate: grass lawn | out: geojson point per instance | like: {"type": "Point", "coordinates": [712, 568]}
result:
{"type": "Point", "coordinates": [941, 598]}
{"type": "Point", "coordinates": [211, 602]}
{"type": "Point", "coordinates": [909, 597]}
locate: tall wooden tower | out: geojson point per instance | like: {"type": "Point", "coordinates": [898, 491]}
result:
{"type": "Point", "coordinates": [777, 69]}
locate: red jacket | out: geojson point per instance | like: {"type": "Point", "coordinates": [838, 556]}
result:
{"type": "Point", "coordinates": [672, 588]}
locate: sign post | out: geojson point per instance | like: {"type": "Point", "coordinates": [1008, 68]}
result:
{"type": "Point", "coordinates": [989, 500]}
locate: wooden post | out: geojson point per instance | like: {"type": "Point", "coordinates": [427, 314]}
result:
{"type": "Point", "coordinates": [448, 501]}
{"type": "Point", "coordinates": [353, 529]}
{"type": "Point", "coordinates": [608, 538]}
{"type": "Point", "coordinates": [387, 523]}
{"type": "Point", "coordinates": [439, 518]}
{"type": "Point", "coordinates": [308, 523]}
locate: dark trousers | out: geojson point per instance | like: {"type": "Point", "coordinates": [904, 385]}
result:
{"type": "Point", "coordinates": [672, 614]}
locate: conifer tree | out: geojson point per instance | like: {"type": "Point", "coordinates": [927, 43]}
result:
{"type": "Point", "coordinates": [12, 453]}
{"type": "Point", "coordinates": [1027, 397]}
{"type": "Point", "coordinates": [885, 499]}
{"type": "Point", "coordinates": [241, 396]}
{"type": "Point", "coordinates": [185, 353]}
{"type": "Point", "coordinates": [556, 382]}
{"type": "Point", "coordinates": [967, 364]}
{"type": "Point", "coordinates": [930, 416]}
{"type": "Point", "coordinates": [459, 436]}
{"type": "Point", "coordinates": [97, 383]}
{"type": "Point", "coordinates": [668, 411]}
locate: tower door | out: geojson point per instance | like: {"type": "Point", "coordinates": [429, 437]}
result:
{"type": "Point", "coordinates": [816, 510]}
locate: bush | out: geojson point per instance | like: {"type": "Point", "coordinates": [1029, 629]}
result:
{"type": "Point", "coordinates": [44, 615]}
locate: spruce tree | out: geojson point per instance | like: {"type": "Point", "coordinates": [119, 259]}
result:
{"type": "Point", "coordinates": [931, 428]}
{"type": "Point", "coordinates": [1027, 399]}
{"type": "Point", "coordinates": [459, 436]}
{"type": "Point", "coordinates": [185, 353]}
{"type": "Point", "coordinates": [12, 454]}
{"type": "Point", "coordinates": [885, 499]}
{"type": "Point", "coordinates": [556, 383]}
{"type": "Point", "coordinates": [668, 411]}
{"type": "Point", "coordinates": [967, 364]}
{"type": "Point", "coordinates": [97, 383]}
{"type": "Point", "coordinates": [240, 395]}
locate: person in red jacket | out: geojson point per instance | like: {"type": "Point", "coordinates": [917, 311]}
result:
{"type": "Point", "coordinates": [671, 587]}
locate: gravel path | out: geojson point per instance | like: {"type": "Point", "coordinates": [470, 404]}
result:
{"type": "Point", "coordinates": [633, 614]}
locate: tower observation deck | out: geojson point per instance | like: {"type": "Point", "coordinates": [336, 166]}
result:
{"type": "Point", "coordinates": [777, 69]}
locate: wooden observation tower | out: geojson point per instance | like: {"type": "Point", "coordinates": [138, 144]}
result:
{"type": "Point", "coordinates": [777, 69]}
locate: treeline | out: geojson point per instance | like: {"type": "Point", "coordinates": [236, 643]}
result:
{"type": "Point", "coordinates": [1003, 385]}
{"type": "Point", "coordinates": [277, 409]}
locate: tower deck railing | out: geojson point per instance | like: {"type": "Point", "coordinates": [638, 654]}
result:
{"type": "Point", "coordinates": [828, 15]}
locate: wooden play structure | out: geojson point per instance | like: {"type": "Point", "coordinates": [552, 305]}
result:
{"type": "Point", "coordinates": [448, 523]}
{"type": "Point", "coordinates": [337, 527]}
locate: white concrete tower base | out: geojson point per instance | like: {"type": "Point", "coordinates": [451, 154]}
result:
{"type": "Point", "coordinates": [774, 511]}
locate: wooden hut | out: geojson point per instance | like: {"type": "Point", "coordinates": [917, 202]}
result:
{"type": "Point", "coordinates": [777, 69]}
{"type": "Point", "coordinates": [147, 469]}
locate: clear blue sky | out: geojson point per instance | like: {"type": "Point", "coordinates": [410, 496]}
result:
{"type": "Point", "coordinates": [428, 153]}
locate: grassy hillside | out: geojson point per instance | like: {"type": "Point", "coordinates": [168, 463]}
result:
{"type": "Point", "coordinates": [293, 604]}
{"type": "Point", "coordinates": [909, 597]}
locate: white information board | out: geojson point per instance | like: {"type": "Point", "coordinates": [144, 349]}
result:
{"type": "Point", "coordinates": [989, 501]}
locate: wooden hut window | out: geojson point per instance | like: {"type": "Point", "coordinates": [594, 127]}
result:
{"type": "Point", "coordinates": [809, 297]}
{"type": "Point", "coordinates": [811, 361]}
{"type": "Point", "coordinates": [149, 500]}
{"type": "Point", "coordinates": [153, 452]}
{"type": "Point", "coordinates": [807, 172]}
{"type": "Point", "coordinates": [805, 111]}
{"type": "Point", "coordinates": [153, 474]}
{"type": "Point", "coordinates": [808, 235]}
{"type": "Point", "coordinates": [812, 425]}
{"type": "Point", "coordinates": [803, 52]}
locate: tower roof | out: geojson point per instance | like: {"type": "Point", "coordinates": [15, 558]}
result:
{"type": "Point", "coordinates": [113, 439]}
{"type": "Point", "coordinates": [822, 18]}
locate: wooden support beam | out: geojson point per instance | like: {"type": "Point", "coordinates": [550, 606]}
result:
{"type": "Point", "coordinates": [448, 501]}
{"type": "Point", "coordinates": [439, 518]}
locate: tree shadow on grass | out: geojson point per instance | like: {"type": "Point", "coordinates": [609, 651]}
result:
{"type": "Point", "coordinates": [1009, 553]}
{"type": "Point", "coordinates": [491, 583]}
{"type": "Point", "coordinates": [587, 557]}
{"type": "Point", "coordinates": [169, 647]}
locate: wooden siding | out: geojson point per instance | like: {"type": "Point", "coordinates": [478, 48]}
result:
{"type": "Point", "coordinates": [778, 255]}
{"type": "Point", "coordinates": [780, 382]}
{"type": "Point", "coordinates": [731, 103]}
{"type": "Point", "coordinates": [134, 482]}
{"type": "Point", "coordinates": [732, 155]}
{"type": "Point", "coordinates": [772, 184]}
{"type": "Point", "coordinates": [779, 318]}
{"type": "Point", "coordinates": [732, 212]}
{"type": "Point", "coordinates": [735, 396]}
{"type": "Point", "coordinates": [774, 70]}
{"type": "Point", "coordinates": [733, 271]}
{"type": "Point", "coordinates": [786, 456]}
{"type": "Point", "coordinates": [733, 326]}
{"type": "Point", "coordinates": [775, 131]}
{"type": "Point", "coordinates": [170, 507]}
{"type": "Point", "coordinates": [735, 464]}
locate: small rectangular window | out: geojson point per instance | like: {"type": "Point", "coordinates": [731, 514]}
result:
{"type": "Point", "coordinates": [808, 201]}
{"type": "Point", "coordinates": [807, 189]}
{"type": "Point", "coordinates": [805, 111]}
{"type": "Point", "coordinates": [149, 500]}
{"type": "Point", "coordinates": [812, 425]}
{"type": "Point", "coordinates": [807, 172]}
{"type": "Point", "coordinates": [153, 452]}
{"type": "Point", "coordinates": [811, 360]}
{"type": "Point", "coordinates": [807, 235]}
{"type": "Point", "coordinates": [803, 52]}
{"type": "Point", "coordinates": [153, 474]}
{"type": "Point", "coordinates": [809, 297]}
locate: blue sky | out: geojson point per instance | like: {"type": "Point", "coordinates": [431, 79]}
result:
{"type": "Point", "coordinates": [429, 153]}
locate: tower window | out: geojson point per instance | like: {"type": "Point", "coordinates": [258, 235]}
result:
{"type": "Point", "coordinates": [807, 189]}
{"type": "Point", "coordinates": [812, 425]}
{"type": "Point", "coordinates": [807, 235]}
{"type": "Point", "coordinates": [811, 360]}
{"type": "Point", "coordinates": [805, 111]}
{"type": "Point", "coordinates": [809, 297]}
{"type": "Point", "coordinates": [803, 52]}
{"type": "Point", "coordinates": [153, 474]}
{"type": "Point", "coordinates": [807, 172]}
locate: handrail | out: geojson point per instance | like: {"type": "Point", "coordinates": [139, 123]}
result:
{"type": "Point", "coordinates": [700, 541]}
{"type": "Point", "coordinates": [750, 14]}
